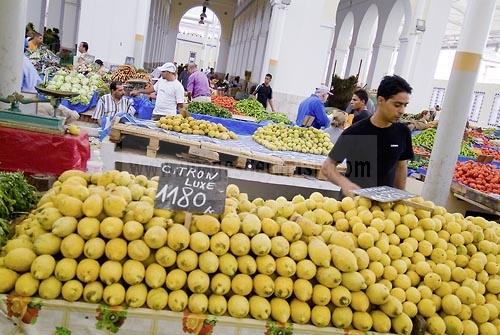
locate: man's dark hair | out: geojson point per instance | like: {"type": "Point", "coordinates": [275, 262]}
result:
{"type": "Point", "coordinates": [269, 75]}
{"type": "Point", "coordinates": [99, 62]}
{"type": "Point", "coordinates": [392, 85]}
{"type": "Point", "coordinates": [85, 46]}
{"type": "Point", "coordinates": [114, 85]}
{"type": "Point", "coordinates": [362, 95]}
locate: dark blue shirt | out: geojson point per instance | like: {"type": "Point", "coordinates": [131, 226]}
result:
{"type": "Point", "coordinates": [313, 106]}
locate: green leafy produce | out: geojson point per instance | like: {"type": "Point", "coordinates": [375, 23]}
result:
{"type": "Point", "coordinates": [16, 194]}
{"type": "Point", "coordinates": [4, 231]}
{"type": "Point", "coordinates": [286, 138]}
{"type": "Point", "coordinates": [426, 140]}
{"type": "Point", "coordinates": [208, 108]}
{"type": "Point", "coordinates": [253, 108]}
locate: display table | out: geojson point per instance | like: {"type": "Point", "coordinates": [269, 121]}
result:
{"type": "Point", "coordinates": [19, 315]}
{"type": "Point", "coordinates": [34, 152]}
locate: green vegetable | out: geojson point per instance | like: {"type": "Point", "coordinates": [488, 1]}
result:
{"type": "Point", "coordinates": [208, 108]}
{"type": "Point", "coordinates": [16, 194]}
{"type": "Point", "coordinates": [426, 140]}
{"type": "Point", "coordinates": [253, 108]}
{"type": "Point", "coordinates": [62, 331]}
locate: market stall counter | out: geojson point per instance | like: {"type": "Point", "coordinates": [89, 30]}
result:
{"type": "Point", "coordinates": [36, 152]}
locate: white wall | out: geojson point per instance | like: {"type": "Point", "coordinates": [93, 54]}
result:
{"type": "Point", "coordinates": [34, 14]}
{"type": "Point", "coordinates": [490, 90]}
{"type": "Point", "coordinates": [183, 48]}
{"type": "Point", "coordinates": [54, 14]}
{"type": "Point", "coordinates": [110, 28]}
{"type": "Point", "coordinates": [69, 31]}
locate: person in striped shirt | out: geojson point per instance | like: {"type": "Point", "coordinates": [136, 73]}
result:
{"type": "Point", "coordinates": [113, 103]}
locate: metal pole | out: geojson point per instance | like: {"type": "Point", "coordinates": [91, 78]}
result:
{"type": "Point", "coordinates": [475, 29]}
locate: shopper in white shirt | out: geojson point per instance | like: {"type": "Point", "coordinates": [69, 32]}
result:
{"type": "Point", "coordinates": [169, 92]}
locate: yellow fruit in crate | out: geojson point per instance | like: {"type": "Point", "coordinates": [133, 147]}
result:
{"type": "Point", "coordinates": [306, 269]}
{"type": "Point", "coordinates": [198, 281]}
{"type": "Point", "coordinates": [270, 227]}
{"type": "Point", "coordinates": [279, 246]}
{"type": "Point", "coordinates": [466, 295]}
{"type": "Point", "coordinates": [43, 266]}
{"type": "Point", "coordinates": [132, 230]}
{"type": "Point", "coordinates": [280, 310]}
{"type": "Point", "coordinates": [166, 257]}
{"type": "Point", "coordinates": [302, 289]}
{"type": "Point", "coordinates": [47, 244]}
{"type": "Point", "coordinates": [87, 270]}
{"type": "Point", "coordinates": [480, 314]}
{"type": "Point", "coordinates": [7, 280]}
{"type": "Point", "coordinates": [198, 303]}
{"type": "Point", "coordinates": [114, 294]}
{"type": "Point", "coordinates": [493, 285]}
{"type": "Point", "coordinates": [265, 264]}
{"type": "Point", "coordinates": [116, 249]}
{"type": "Point", "coordinates": [219, 243]}
{"type": "Point", "coordinates": [48, 216]}
{"type": "Point", "coordinates": [136, 296]}
{"type": "Point", "coordinates": [228, 264]}
{"type": "Point", "coordinates": [157, 298]}
{"type": "Point", "coordinates": [64, 226]}
{"type": "Point", "coordinates": [217, 304]}
{"type": "Point", "coordinates": [88, 228]}
{"type": "Point", "coordinates": [19, 259]}
{"type": "Point", "coordinates": [70, 206]}
{"type": "Point", "coordinates": [138, 250]}
{"type": "Point", "coordinates": [260, 308]}
{"type": "Point", "coordinates": [381, 322]}
{"type": "Point", "coordinates": [72, 290]}
{"type": "Point", "coordinates": [341, 296]}
{"type": "Point", "coordinates": [114, 206]}
{"type": "Point", "coordinates": [20, 242]}
{"type": "Point", "coordinates": [432, 280]}
{"type": "Point", "coordinates": [238, 306]}
{"type": "Point", "coordinates": [320, 316]}
{"type": "Point", "coordinates": [260, 244]}
{"type": "Point", "coordinates": [178, 237]}
{"type": "Point", "coordinates": [176, 279]}
{"type": "Point", "coordinates": [157, 221]}
{"type": "Point", "coordinates": [72, 246]}
{"type": "Point", "coordinates": [133, 272]}
{"type": "Point", "coordinates": [343, 259]}
{"type": "Point", "coordinates": [283, 287]}
{"type": "Point", "coordinates": [298, 250]}
{"type": "Point", "coordinates": [65, 269]}
{"type": "Point", "coordinates": [110, 272]}
{"type": "Point", "coordinates": [426, 307]}
{"type": "Point", "coordinates": [136, 191]}
{"type": "Point", "coordinates": [362, 321]}
{"type": "Point", "coordinates": [72, 188]}
{"type": "Point", "coordinates": [200, 242]}
{"type": "Point", "coordinates": [342, 317]}
{"type": "Point", "coordinates": [402, 324]}
{"type": "Point", "coordinates": [251, 225]}
{"type": "Point", "coordinates": [285, 266]}
{"type": "Point", "coordinates": [330, 276]}
{"type": "Point", "coordinates": [187, 260]}
{"type": "Point", "coordinates": [300, 311]}
{"type": "Point", "coordinates": [155, 275]}
{"type": "Point", "coordinates": [26, 285]}
{"type": "Point", "coordinates": [206, 224]}
{"type": "Point", "coordinates": [220, 284]}
{"type": "Point", "coordinates": [393, 307]}
{"type": "Point", "coordinates": [319, 253]}
{"type": "Point", "coordinates": [94, 248]}
{"type": "Point", "coordinates": [354, 281]}
{"type": "Point", "coordinates": [360, 301]}
{"type": "Point", "coordinates": [343, 239]}
{"type": "Point", "coordinates": [49, 288]}
{"type": "Point", "coordinates": [208, 262]}
{"type": "Point", "coordinates": [453, 325]}
{"type": "Point", "coordinates": [240, 244]}
{"type": "Point", "coordinates": [230, 224]}
{"type": "Point", "coordinates": [291, 231]}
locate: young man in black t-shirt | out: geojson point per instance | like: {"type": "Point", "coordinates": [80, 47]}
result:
{"type": "Point", "coordinates": [376, 149]}
{"type": "Point", "coordinates": [264, 92]}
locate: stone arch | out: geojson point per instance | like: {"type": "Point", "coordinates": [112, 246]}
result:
{"type": "Point", "coordinates": [225, 16]}
{"type": "Point", "coordinates": [362, 43]}
{"type": "Point", "coordinates": [341, 52]}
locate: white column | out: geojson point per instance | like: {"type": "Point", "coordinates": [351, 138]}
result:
{"type": "Point", "coordinates": [380, 63]}
{"type": "Point", "coordinates": [408, 43]}
{"type": "Point", "coordinates": [426, 55]}
{"type": "Point", "coordinates": [222, 58]}
{"type": "Point", "coordinates": [12, 21]}
{"type": "Point", "coordinates": [358, 54]}
{"type": "Point", "coordinates": [170, 44]}
{"type": "Point", "coordinates": [278, 15]}
{"type": "Point", "coordinates": [477, 23]}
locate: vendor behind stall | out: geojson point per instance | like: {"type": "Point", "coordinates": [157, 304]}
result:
{"type": "Point", "coordinates": [169, 92]}
{"type": "Point", "coordinates": [315, 106]}
{"type": "Point", "coordinates": [113, 103]}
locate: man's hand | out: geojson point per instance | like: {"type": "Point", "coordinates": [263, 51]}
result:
{"type": "Point", "coordinates": [348, 187]}
{"type": "Point", "coordinates": [134, 93]}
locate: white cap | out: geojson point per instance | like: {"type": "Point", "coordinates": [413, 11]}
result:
{"type": "Point", "coordinates": [322, 89]}
{"type": "Point", "coordinates": [169, 67]}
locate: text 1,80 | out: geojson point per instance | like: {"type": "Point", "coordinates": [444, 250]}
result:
{"type": "Point", "coordinates": [182, 197]}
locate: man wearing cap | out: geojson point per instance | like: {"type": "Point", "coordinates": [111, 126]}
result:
{"type": "Point", "coordinates": [198, 87]}
{"type": "Point", "coordinates": [169, 92]}
{"type": "Point", "coordinates": [315, 106]}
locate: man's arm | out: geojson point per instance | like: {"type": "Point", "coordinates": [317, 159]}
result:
{"type": "Point", "coordinates": [329, 170]}
{"type": "Point", "coordinates": [190, 87]}
{"type": "Point", "coordinates": [270, 101]}
{"type": "Point", "coordinates": [147, 90]}
{"type": "Point", "coordinates": [320, 115]}
{"type": "Point", "coordinates": [400, 175]}
{"type": "Point", "coordinates": [99, 109]}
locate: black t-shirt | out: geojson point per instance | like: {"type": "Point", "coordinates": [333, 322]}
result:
{"type": "Point", "coordinates": [372, 153]}
{"type": "Point", "coordinates": [263, 94]}
{"type": "Point", "coordinates": [361, 115]}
